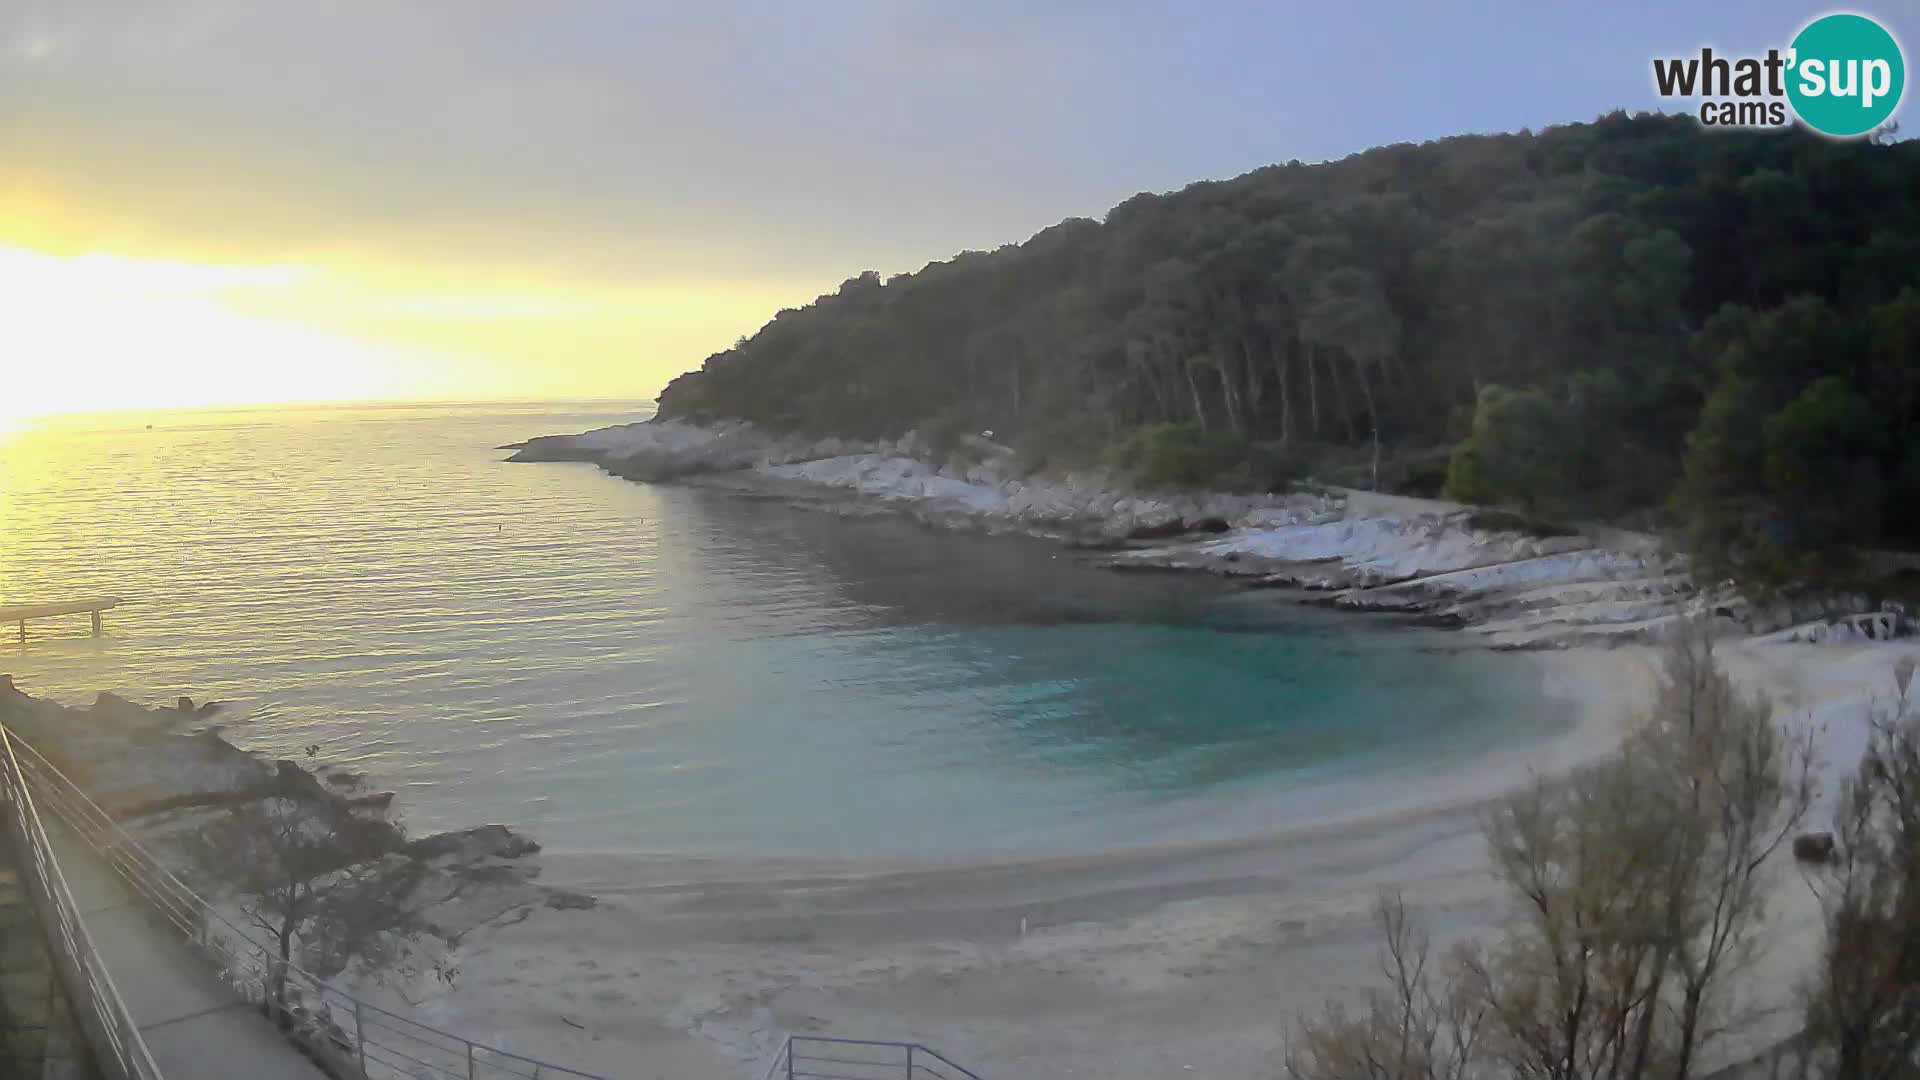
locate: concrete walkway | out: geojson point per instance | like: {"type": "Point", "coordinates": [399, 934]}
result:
{"type": "Point", "coordinates": [196, 1026]}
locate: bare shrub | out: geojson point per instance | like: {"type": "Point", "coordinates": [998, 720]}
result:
{"type": "Point", "coordinates": [1638, 887]}
{"type": "Point", "coordinates": [1410, 1030]}
{"type": "Point", "coordinates": [306, 877]}
{"type": "Point", "coordinates": [1863, 999]}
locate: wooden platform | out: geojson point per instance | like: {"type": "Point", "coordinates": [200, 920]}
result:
{"type": "Point", "coordinates": [20, 613]}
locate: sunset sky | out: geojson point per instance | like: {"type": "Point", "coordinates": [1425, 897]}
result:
{"type": "Point", "coordinates": [224, 201]}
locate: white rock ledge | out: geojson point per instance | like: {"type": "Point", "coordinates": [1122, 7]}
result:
{"type": "Point", "coordinates": [1419, 557]}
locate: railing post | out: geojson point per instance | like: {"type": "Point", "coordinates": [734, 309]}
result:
{"type": "Point", "coordinates": [469, 1061]}
{"type": "Point", "coordinates": [909, 1061]}
{"type": "Point", "coordinates": [789, 1057]}
{"type": "Point", "coordinates": [360, 1038]}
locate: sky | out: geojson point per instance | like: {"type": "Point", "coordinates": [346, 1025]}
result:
{"type": "Point", "coordinates": [229, 201]}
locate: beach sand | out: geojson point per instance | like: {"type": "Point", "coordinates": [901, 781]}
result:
{"type": "Point", "coordinates": [1135, 963]}
{"type": "Point", "coordinates": [1132, 963]}
{"type": "Point", "coordinates": [1142, 963]}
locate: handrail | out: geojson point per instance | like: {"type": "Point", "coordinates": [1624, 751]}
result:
{"type": "Point", "coordinates": [830, 1058]}
{"type": "Point", "coordinates": [114, 1038]}
{"type": "Point", "coordinates": [346, 1035]}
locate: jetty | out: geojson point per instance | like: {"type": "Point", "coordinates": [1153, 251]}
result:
{"type": "Point", "coordinates": [20, 613]}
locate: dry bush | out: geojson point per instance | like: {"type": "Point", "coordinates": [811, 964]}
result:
{"type": "Point", "coordinates": [1638, 888]}
{"type": "Point", "coordinates": [305, 876]}
{"type": "Point", "coordinates": [1410, 1030]}
{"type": "Point", "coordinates": [1863, 1000]}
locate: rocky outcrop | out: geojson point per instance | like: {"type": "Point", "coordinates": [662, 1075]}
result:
{"type": "Point", "coordinates": [660, 450]}
{"type": "Point", "coordinates": [473, 845]}
{"type": "Point", "coordinates": [900, 477]}
{"type": "Point", "coordinates": [129, 757]}
{"type": "Point", "coordinates": [166, 786]}
{"type": "Point", "coordinates": [1510, 590]}
{"type": "Point", "coordinates": [1449, 565]}
{"type": "Point", "coordinates": [1882, 625]}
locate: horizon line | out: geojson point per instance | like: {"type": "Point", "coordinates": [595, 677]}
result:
{"type": "Point", "coordinates": [344, 403]}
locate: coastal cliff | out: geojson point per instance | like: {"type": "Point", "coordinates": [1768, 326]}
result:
{"type": "Point", "coordinates": [1507, 583]}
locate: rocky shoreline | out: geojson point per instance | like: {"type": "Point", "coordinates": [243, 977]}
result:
{"type": "Point", "coordinates": [1505, 583]}
{"type": "Point", "coordinates": [164, 773]}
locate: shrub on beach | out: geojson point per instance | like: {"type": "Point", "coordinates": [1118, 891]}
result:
{"type": "Point", "coordinates": [1638, 887]}
{"type": "Point", "coordinates": [1863, 1013]}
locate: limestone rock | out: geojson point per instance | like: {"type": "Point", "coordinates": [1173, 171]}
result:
{"type": "Point", "coordinates": [471, 845]}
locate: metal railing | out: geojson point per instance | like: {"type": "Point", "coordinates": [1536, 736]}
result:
{"type": "Point", "coordinates": [818, 1057]}
{"type": "Point", "coordinates": [343, 1034]}
{"type": "Point", "coordinates": [111, 1034]}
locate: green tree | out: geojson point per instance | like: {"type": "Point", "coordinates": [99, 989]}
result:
{"type": "Point", "coordinates": [1822, 467]}
{"type": "Point", "coordinates": [1177, 454]}
{"type": "Point", "coordinates": [1668, 290]}
{"type": "Point", "coordinates": [1518, 451]}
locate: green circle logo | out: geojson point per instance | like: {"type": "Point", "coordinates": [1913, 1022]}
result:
{"type": "Point", "coordinates": [1846, 75]}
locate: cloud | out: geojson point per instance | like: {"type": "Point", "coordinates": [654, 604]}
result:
{"type": "Point", "coordinates": [619, 139]}
{"type": "Point", "coordinates": [549, 160]}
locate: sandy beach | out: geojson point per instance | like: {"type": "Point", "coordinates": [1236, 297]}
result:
{"type": "Point", "coordinates": [1137, 963]}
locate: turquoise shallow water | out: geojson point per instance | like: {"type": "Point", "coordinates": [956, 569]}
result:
{"type": "Point", "coordinates": [630, 668]}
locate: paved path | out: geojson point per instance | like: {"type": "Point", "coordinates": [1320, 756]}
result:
{"type": "Point", "coordinates": [195, 1025]}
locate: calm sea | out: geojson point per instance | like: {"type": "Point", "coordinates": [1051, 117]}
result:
{"type": "Point", "coordinates": [624, 667]}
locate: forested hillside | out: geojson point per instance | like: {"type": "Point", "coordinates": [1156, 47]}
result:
{"type": "Point", "coordinates": [1634, 314]}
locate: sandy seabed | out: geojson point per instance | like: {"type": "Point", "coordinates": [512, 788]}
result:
{"type": "Point", "coordinates": [1146, 962]}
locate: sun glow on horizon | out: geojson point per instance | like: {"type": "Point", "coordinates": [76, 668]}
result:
{"type": "Point", "coordinates": [105, 332]}
{"type": "Point", "coordinates": [89, 333]}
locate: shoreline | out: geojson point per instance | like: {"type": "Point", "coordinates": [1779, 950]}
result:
{"type": "Point", "coordinates": [1131, 962]}
{"type": "Point", "coordinates": [1505, 583]}
{"type": "Point", "coordinates": [1139, 960]}
{"type": "Point", "coordinates": [718, 956]}
{"type": "Point", "coordinates": [1593, 682]}
{"type": "Point", "coordinates": [1199, 957]}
